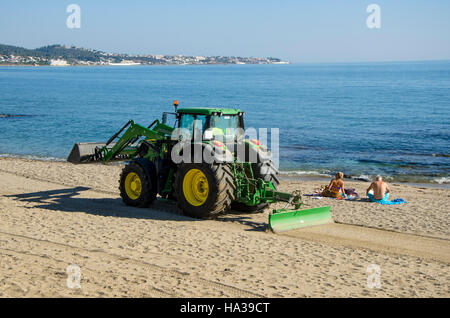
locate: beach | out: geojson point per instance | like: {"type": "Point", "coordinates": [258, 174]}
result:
{"type": "Point", "coordinates": [55, 214]}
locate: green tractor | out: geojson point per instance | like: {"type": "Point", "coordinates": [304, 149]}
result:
{"type": "Point", "coordinates": [204, 163]}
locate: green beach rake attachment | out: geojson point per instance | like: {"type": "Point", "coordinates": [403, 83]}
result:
{"type": "Point", "coordinates": [289, 219]}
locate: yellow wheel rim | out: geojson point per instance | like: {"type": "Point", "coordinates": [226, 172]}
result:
{"type": "Point", "coordinates": [195, 187]}
{"type": "Point", "coordinates": [133, 186]}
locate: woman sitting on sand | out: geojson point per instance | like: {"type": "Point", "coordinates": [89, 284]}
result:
{"type": "Point", "coordinates": [336, 188]}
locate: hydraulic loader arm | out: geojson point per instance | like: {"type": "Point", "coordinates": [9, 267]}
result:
{"type": "Point", "coordinates": [131, 135]}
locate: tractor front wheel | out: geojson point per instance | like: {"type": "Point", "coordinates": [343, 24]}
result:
{"type": "Point", "coordinates": [204, 190]}
{"type": "Point", "coordinates": [136, 188]}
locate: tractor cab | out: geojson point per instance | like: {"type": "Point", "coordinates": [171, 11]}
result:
{"type": "Point", "coordinates": [224, 124]}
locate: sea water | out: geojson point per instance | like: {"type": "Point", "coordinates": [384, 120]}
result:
{"type": "Point", "coordinates": [363, 119]}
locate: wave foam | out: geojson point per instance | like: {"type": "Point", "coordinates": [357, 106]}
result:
{"type": "Point", "coordinates": [31, 157]}
{"type": "Point", "coordinates": [305, 172]}
{"type": "Point", "coordinates": [362, 177]}
{"type": "Point", "coordinates": [443, 180]}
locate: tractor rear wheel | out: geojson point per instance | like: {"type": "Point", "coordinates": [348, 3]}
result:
{"type": "Point", "coordinates": [204, 190]}
{"type": "Point", "coordinates": [136, 188]}
{"type": "Point", "coordinates": [267, 172]}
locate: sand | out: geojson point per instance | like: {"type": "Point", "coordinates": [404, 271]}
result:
{"type": "Point", "coordinates": [54, 214]}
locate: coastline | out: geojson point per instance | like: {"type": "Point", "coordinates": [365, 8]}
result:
{"type": "Point", "coordinates": [284, 175]}
{"type": "Point", "coordinates": [118, 64]}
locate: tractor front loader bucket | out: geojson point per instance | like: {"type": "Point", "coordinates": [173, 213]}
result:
{"type": "Point", "coordinates": [85, 152]}
{"type": "Point", "coordinates": [284, 219]}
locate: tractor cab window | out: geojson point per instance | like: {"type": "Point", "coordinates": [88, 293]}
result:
{"type": "Point", "coordinates": [187, 123]}
{"type": "Point", "coordinates": [225, 125]}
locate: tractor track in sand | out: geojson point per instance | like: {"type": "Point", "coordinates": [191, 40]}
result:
{"type": "Point", "coordinates": [9, 252]}
{"type": "Point", "coordinates": [337, 234]}
{"type": "Point", "coordinates": [231, 291]}
{"type": "Point", "coordinates": [57, 182]}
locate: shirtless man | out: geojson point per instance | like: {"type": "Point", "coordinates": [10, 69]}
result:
{"type": "Point", "coordinates": [380, 190]}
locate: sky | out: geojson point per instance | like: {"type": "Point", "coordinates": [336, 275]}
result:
{"type": "Point", "coordinates": [294, 30]}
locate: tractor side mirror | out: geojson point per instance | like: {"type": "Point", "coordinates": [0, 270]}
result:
{"type": "Point", "coordinates": [164, 118]}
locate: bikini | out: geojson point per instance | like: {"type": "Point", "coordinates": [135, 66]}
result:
{"type": "Point", "coordinates": [334, 192]}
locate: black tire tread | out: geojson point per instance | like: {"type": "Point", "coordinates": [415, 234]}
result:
{"type": "Point", "coordinates": [224, 182]}
{"type": "Point", "coordinates": [148, 194]}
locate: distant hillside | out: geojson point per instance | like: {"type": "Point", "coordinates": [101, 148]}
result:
{"type": "Point", "coordinates": [72, 55]}
{"type": "Point", "coordinates": [9, 49]}
{"type": "Point", "coordinates": [68, 53]}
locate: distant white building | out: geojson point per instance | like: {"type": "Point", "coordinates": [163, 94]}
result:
{"type": "Point", "coordinates": [125, 63]}
{"type": "Point", "coordinates": [58, 63]}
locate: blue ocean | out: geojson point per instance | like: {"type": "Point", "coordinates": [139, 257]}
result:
{"type": "Point", "coordinates": [365, 119]}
